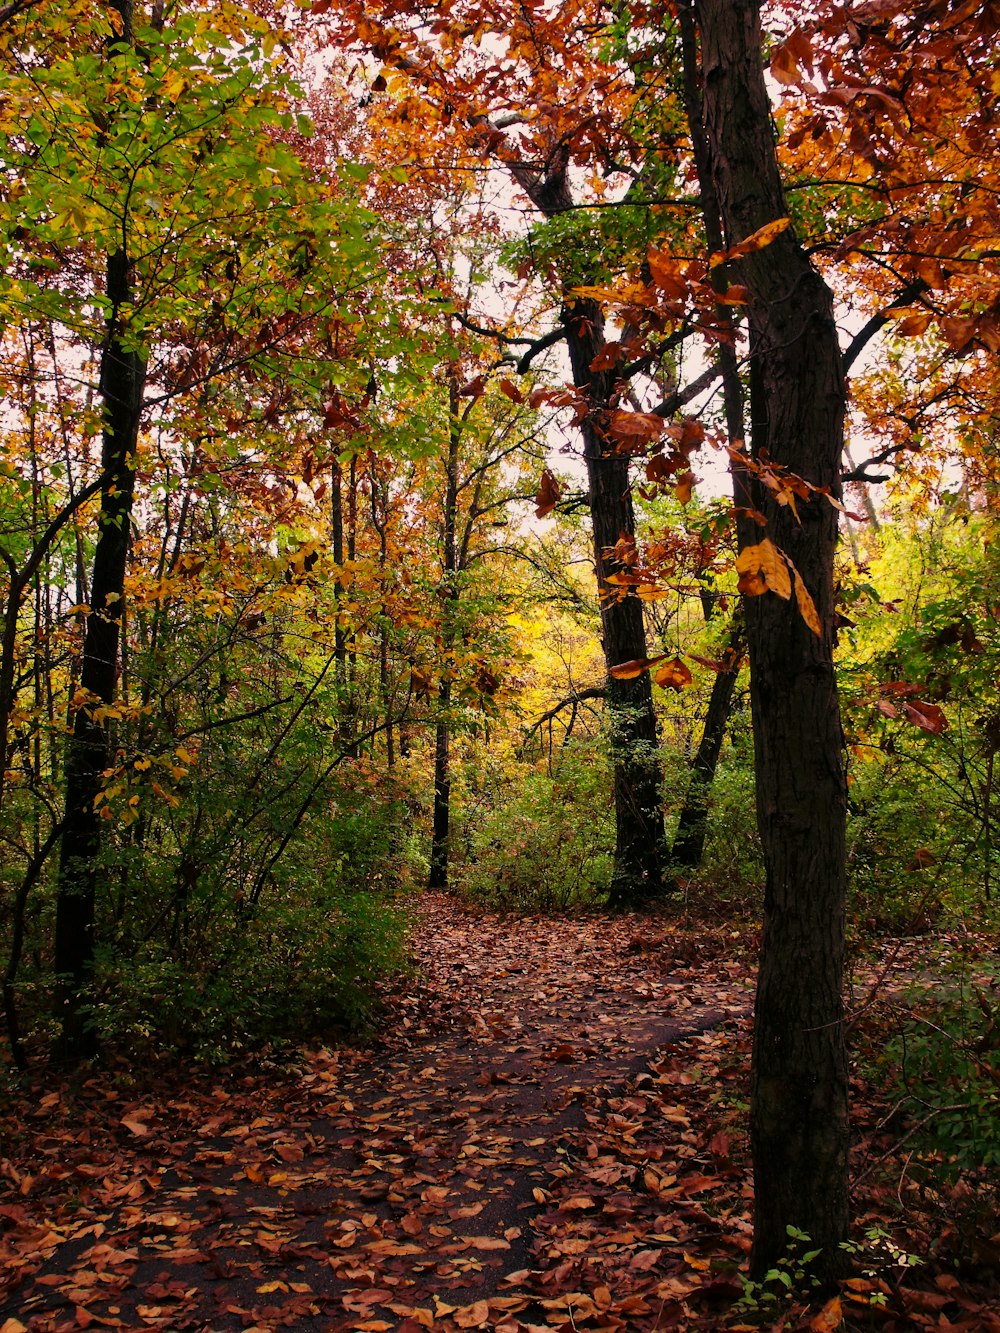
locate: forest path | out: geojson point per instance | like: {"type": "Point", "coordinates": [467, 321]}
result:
{"type": "Point", "coordinates": [505, 1157]}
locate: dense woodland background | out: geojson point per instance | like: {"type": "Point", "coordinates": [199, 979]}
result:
{"type": "Point", "coordinates": [340, 345]}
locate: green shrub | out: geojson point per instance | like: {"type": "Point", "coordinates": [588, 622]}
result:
{"type": "Point", "coordinates": [537, 841]}
{"type": "Point", "coordinates": [943, 1064]}
{"type": "Point", "coordinates": [733, 864]}
{"type": "Point", "coordinates": [294, 965]}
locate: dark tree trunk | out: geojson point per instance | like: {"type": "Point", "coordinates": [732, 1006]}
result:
{"type": "Point", "coordinates": [440, 832]}
{"type": "Point", "coordinates": [689, 840]}
{"type": "Point", "coordinates": [799, 1125]}
{"type": "Point", "coordinates": [639, 833]}
{"type": "Point", "coordinates": [441, 826]}
{"type": "Point", "coordinates": [639, 839]}
{"type": "Point", "coordinates": [88, 752]}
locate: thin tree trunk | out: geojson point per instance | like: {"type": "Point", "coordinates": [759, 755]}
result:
{"type": "Point", "coordinates": [799, 1124]}
{"type": "Point", "coordinates": [88, 753]}
{"type": "Point", "coordinates": [689, 841]}
{"type": "Point", "coordinates": [441, 831]}
{"type": "Point", "coordinates": [639, 833]}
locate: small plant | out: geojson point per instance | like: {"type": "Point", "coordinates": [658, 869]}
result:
{"type": "Point", "coordinates": [881, 1260]}
{"type": "Point", "coordinates": [789, 1280]}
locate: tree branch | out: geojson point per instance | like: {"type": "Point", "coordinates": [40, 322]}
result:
{"type": "Point", "coordinates": [879, 321]}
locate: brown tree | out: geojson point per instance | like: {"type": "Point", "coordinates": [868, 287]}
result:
{"type": "Point", "coordinates": [799, 1086]}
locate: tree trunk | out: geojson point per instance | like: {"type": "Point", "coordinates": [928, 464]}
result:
{"type": "Point", "coordinates": [440, 833]}
{"type": "Point", "coordinates": [689, 840]}
{"type": "Point", "coordinates": [441, 827]}
{"type": "Point", "coordinates": [88, 752]}
{"type": "Point", "coordinates": [799, 1125]}
{"type": "Point", "coordinates": [639, 834]}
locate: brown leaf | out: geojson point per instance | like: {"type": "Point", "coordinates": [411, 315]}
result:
{"type": "Point", "coordinates": [913, 325]}
{"type": "Point", "coordinates": [784, 68]}
{"type": "Point", "coordinates": [134, 1125]}
{"type": "Point", "coordinates": [511, 390]}
{"type": "Point", "coordinates": [548, 495]}
{"type": "Point", "coordinates": [607, 358]}
{"type": "Point", "coordinates": [713, 663]}
{"type": "Point", "coordinates": [635, 427]}
{"type": "Point", "coordinates": [928, 717]}
{"type": "Point", "coordinates": [476, 1315]}
{"type": "Point", "coordinates": [922, 858]}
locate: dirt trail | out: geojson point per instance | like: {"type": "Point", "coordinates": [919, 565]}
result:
{"type": "Point", "coordinates": [505, 1157]}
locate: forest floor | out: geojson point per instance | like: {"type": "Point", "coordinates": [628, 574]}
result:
{"type": "Point", "coordinates": [548, 1133]}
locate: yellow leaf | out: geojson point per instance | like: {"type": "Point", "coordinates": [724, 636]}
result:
{"type": "Point", "coordinates": [755, 241]}
{"type": "Point", "coordinates": [762, 568]}
{"type": "Point", "coordinates": [806, 605]}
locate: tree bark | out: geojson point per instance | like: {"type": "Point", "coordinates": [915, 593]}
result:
{"type": "Point", "coordinates": [88, 752]}
{"type": "Point", "coordinates": [637, 878]}
{"type": "Point", "coordinates": [689, 841]}
{"type": "Point", "coordinates": [639, 833]}
{"type": "Point", "coordinates": [441, 829]}
{"type": "Point", "coordinates": [799, 1124]}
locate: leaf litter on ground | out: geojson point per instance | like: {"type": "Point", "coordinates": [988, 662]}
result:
{"type": "Point", "coordinates": [548, 1134]}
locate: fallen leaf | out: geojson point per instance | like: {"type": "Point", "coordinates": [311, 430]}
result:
{"type": "Point", "coordinates": [830, 1318]}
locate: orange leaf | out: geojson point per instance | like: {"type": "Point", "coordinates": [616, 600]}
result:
{"type": "Point", "coordinates": [666, 275]}
{"type": "Point", "coordinates": [472, 1316]}
{"type": "Point", "coordinates": [673, 675]}
{"type": "Point", "coordinates": [633, 669]}
{"type": "Point", "coordinates": [807, 607]}
{"type": "Point", "coordinates": [762, 568]}
{"type": "Point", "coordinates": [684, 487]}
{"type": "Point", "coordinates": [831, 1317]}
{"type": "Point", "coordinates": [757, 240]}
